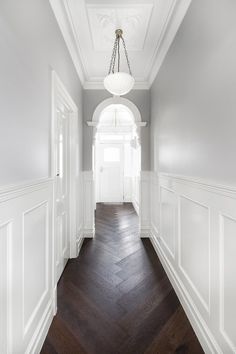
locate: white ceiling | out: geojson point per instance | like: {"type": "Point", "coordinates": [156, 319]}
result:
{"type": "Point", "coordinates": [88, 28]}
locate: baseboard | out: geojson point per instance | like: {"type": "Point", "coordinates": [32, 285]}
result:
{"type": "Point", "coordinates": [136, 206]}
{"type": "Point", "coordinates": [144, 232]}
{"type": "Point", "coordinates": [54, 305]}
{"type": "Point", "coordinates": [202, 331]}
{"type": "Point", "coordinates": [79, 244]}
{"type": "Point", "coordinates": [88, 233]}
{"type": "Point", "coordinates": [41, 332]}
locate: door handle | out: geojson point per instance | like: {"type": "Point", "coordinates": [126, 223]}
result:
{"type": "Point", "coordinates": [101, 169]}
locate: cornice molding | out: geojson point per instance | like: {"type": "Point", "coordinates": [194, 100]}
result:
{"type": "Point", "coordinates": [65, 26]}
{"type": "Point", "coordinates": [173, 22]}
{"type": "Point", "coordinates": [98, 85]}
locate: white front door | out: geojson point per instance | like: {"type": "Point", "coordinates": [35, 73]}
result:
{"type": "Point", "coordinates": [110, 172]}
{"type": "Point", "coordinates": [62, 189]}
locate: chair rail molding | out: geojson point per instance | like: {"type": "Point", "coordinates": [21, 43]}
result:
{"type": "Point", "coordinates": [193, 230]}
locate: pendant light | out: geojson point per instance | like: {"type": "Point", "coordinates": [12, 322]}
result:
{"type": "Point", "coordinates": [118, 83]}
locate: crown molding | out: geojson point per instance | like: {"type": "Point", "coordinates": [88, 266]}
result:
{"type": "Point", "coordinates": [175, 17]}
{"type": "Point", "coordinates": [98, 85]}
{"type": "Point", "coordinates": [65, 25]}
{"type": "Point", "coordinates": [170, 28]}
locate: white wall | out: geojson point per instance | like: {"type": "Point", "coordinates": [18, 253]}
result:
{"type": "Point", "coordinates": [193, 183]}
{"type": "Point", "coordinates": [193, 121]}
{"type": "Point", "coordinates": [31, 46]}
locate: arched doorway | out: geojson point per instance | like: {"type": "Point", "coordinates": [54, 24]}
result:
{"type": "Point", "coordinates": [117, 157]}
{"type": "Point", "coordinates": [135, 144]}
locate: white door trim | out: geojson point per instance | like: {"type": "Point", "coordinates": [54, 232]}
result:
{"type": "Point", "coordinates": [60, 93]}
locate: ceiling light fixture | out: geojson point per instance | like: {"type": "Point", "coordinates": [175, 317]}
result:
{"type": "Point", "coordinates": [118, 83]}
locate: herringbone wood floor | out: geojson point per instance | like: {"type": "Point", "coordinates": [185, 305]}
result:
{"type": "Point", "coordinates": [115, 298]}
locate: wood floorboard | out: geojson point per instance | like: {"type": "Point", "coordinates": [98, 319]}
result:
{"type": "Point", "coordinates": [115, 298]}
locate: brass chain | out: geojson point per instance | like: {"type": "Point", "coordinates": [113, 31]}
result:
{"type": "Point", "coordinates": [115, 50]}
{"type": "Point", "coordinates": [113, 58]}
{"type": "Point", "coordinates": [126, 54]}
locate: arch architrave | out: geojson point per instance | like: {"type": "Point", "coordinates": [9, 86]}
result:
{"type": "Point", "coordinates": [117, 100]}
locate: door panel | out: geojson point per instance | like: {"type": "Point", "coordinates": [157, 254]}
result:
{"type": "Point", "coordinates": [111, 172]}
{"type": "Point", "coordinates": [62, 195]}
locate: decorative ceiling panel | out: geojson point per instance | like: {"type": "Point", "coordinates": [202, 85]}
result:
{"type": "Point", "coordinates": [132, 19]}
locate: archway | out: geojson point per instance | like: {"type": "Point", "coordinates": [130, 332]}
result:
{"type": "Point", "coordinates": [124, 134]}
{"type": "Point", "coordinates": [117, 100]}
{"type": "Point", "coordinates": [138, 124]}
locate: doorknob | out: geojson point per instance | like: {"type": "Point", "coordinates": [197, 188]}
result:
{"type": "Point", "coordinates": [101, 169]}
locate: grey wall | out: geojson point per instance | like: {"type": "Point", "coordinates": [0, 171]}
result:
{"type": "Point", "coordinates": [193, 99]}
{"type": "Point", "coordinates": [91, 98]}
{"type": "Point", "coordinates": [31, 45]}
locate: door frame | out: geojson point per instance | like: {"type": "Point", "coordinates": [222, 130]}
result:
{"type": "Point", "coordinates": [60, 94]}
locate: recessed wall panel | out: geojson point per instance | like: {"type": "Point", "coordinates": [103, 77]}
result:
{"type": "Point", "coordinates": [168, 212]}
{"type": "Point", "coordinates": [194, 251]}
{"type": "Point", "coordinates": [35, 259]}
{"type": "Point", "coordinates": [228, 280]}
{"type": "Point", "coordinates": [4, 281]}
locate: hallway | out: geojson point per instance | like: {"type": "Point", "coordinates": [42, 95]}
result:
{"type": "Point", "coordinates": [116, 298]}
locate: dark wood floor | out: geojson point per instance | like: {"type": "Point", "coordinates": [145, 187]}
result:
{"type": "Point", "coordinates": [115, 298]}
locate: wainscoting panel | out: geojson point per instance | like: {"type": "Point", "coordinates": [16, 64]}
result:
{"type": "Point", "coordinates": [5, 279]}
{"type": "Point", "coordinates": [194, 247]}
{"type": "Point", "coordinates": [79, 213]}
{"type": "Point", "coordinates": [135, 193]}
{"type": "Point", "coordinates": [35, 260]}
{"type": "Point", "coordinates": [26, 267]}
{"type": "Point", "coordinates": [193, 229]}
{"type": "Point", "coordinates": [88, 204]}
{"type": "Point", "coordinates": [168, 208]}
{"type": "Point", "coordinates": [144, 204]}
{"type": "Point", "coordinates": [228, 280]}
{"type": "Point", "coordinates": [127, 189]}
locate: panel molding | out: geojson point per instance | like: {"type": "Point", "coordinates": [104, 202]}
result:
{"type": "Point", "coordinates": [28, 323]}
{"type": "Point", "coordinates": [203, 299]}
{"type": "Point", "coordinates": [144, 204]}
{"type": "Point", "coordinates": [204, 334]}
{"type": "Point", "coordinates": [5, 287]}
{"type": "Point", "coordinates": [18, 202]}
{"type": "Point", "coordinates": [88, 204]}
{"type": "Point", "coordinates": [184, 271]}
{"type": "Point", "coordinates": [222, 281]}
{"type": "Point", "coordinates": [172, 254]}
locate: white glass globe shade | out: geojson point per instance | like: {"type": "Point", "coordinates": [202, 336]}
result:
{"type": "Point", "coordinates": [119, 83]}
